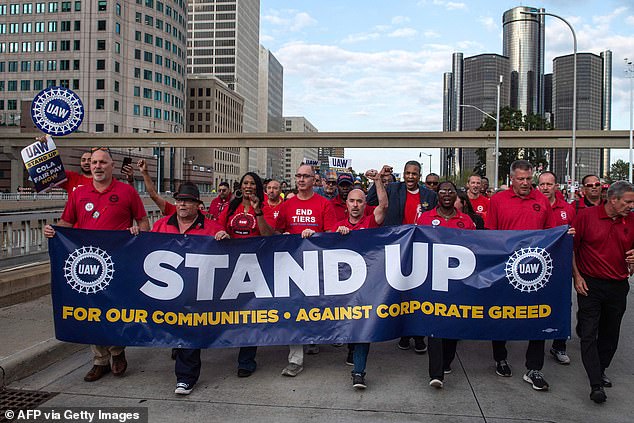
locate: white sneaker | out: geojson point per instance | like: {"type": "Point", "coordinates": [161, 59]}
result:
{"type": "Point", "coordinates": [183, 388]}
{"type": "Point", "coordinates": [560, 356]}
{"type": "Point", "coordinates": [292, 370]}
{"type": "Point", "coordinates": [436, 383]}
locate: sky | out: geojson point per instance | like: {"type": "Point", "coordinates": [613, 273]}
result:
{"type": "Point", "coordinates": [377, 65]}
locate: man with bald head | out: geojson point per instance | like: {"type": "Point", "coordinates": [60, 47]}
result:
{"type": "Point", "coordinates": [357, 219]}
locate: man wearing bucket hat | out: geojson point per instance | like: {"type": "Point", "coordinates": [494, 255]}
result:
{"type": "Point", "coordinates": [189, 220]}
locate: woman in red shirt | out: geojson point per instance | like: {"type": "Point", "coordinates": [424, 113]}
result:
{"type": "Point", "coordinates": [243, 218]}
{"type": "Point", "coordinates": [442, 351]}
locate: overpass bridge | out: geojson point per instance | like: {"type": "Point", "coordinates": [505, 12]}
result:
{"type": "Point", "coordinates": [10, 144]}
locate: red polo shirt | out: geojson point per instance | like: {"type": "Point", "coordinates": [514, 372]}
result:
{"type": "Point", "coordinates": [432, 218]}
{"type": "Point", "coordinates": [508, 211]}
{"type": "Point", "coordinates": [366, 222]}
{"type": "Point", "coordinates": [201, 226]}
{"type": "Point", "coordinates": [563, 212]}
{"type": "Point", "coordinates": [74, 180]}
{"type": "Point", "coordinates": [316, 213]}
{"type": "Point", "coordinates": [113, 209]}
{"type": "Point", "coordinates": [600, 243]}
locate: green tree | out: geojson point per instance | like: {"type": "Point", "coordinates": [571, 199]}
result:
{"type": "Point", "coordinates": [513, 120]}
{"type": "Point", "coordinates": [619, 171]}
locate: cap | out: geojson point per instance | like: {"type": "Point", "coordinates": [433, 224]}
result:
{"type": "Point", "coordinates": [331, 175]}
{"type": "Point", "coordinates": [345, 178]}
{"type": "Point", "coordinates": [187, 191]}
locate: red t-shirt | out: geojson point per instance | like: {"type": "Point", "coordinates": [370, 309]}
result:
{"type": "Point", "coordinates": [412, 207]}
{"type": "Point", "coordinates": [216, 206]}
{"type": "Point", "coordinates": [114, 209]}
{"type": "Point", "coordinates": [74, 180]}
{"type": "Point", "coordinates": [480, 205]}
{"type": "Point", "coordinates": [295, 215]}
{"type": "Point", "coordinates": [563, 213]}
{"type": "Point", "coordinates": [201, 226]}
{"type": "Point", "coordinates": [508, 211]}
{"type": "Point", "coordinates": [432, 218]}
{"type": "Point", "coordinates": [367, 222]}
{"type": "Point", "coordinates": [600, 243]}
{"type": "Point", "coordinates": [271, 212]}
{"type": "Point", "coordinates": [240, 224]}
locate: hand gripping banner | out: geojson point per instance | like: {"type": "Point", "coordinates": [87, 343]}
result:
{"type": "Point", "coordinates": [112, 288]}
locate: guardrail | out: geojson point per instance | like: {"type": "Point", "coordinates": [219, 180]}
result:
{"type": "Point", "coordinates": [22, 235]}
{"type": "Point", "coordinates": [24, 196]}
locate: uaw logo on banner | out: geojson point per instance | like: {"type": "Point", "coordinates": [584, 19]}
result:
{"type": "Point", "coordinates": [112, 288]}
{"type": "Point", "coordinates": [88, 270]}
{"type": "Point", "coordinates": [57, 111]}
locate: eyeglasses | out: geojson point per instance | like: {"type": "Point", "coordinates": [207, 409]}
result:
{"type": "Point", "coordinates": [446, 191]}
{"type": "Point", "coordinates": [303, 176]}
{"type": "Point", "coordinates": [431, 183]}
{"type": "Point", "coordinates": [593, 185]}
{"type": "Point", "coordinates": [331, 182]}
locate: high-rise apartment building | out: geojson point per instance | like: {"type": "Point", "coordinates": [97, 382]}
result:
{"type": "Point", "coordinates": [293, 157]}
{"type": "Point", "coordinates": [223, 40]}
{"type": "Point", "coordinates": [125, 59]}
{"type": "Point", "coordinates": [270, 105]}
{"type": "Point", "coordinates": [594, 98]}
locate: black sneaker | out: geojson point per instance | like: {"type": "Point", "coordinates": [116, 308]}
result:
{"type": "Point", "coordinates": [244, 373]}
{"type": "Point", "coordinates": [183, 388]}
{"type": "Point", "coordinates": [403, 344]}
{"type": "Point", "coordinates": [536, 378]}
{"type": "Point", "coordinates": [350, 358]}
{"type": "Point", "coordinates": [503, 369]}
{"type": "Point", "coordinates": [358, 381]}
{"type": "Point", "coordinates": [419, 345]}
{"type": "Point", "coordinates": [598, 394]}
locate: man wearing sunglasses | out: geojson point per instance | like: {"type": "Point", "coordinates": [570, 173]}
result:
{"type": "Point", "coordinates": [220, 202]}
{"type": "Point", "coordinates": [591, 191]}
{"type": "Point", "coordinates": [431, 181]}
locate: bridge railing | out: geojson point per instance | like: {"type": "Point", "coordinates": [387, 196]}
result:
{"type": "Point", "coordinates": [22, 235]}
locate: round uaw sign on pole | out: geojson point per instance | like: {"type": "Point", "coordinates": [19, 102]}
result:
{"type": "Point", "coordinates": [57, 111]}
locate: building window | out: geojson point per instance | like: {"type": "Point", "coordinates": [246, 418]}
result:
{"type": "Point", "coordinates": [52, 7]}
{"type": "Point", "coordinates": [76, 45]}
{"type": "Point", "coordinates": [27, 8]}
{"type": "Point", "coordinates": [12, 104]}
{"type": "Point", "coordinates": [51, 65]}
{"type": "Point", "coordinates": [38, 65]}
{"type": "Point", "coordinates": [101, 64]}
{"type": "Point", "coordinates": [149, 3]}
{"type": "Point", "coordinates": [149, 20]}
{"type": "Point", "coordinates": [99, 104]}
{"type": "Point", "coordinates": [137, 54]}
{"type": "Point", "coordinates": [76, 64]}
{"type": "Point", "coordinates": [115, 128]}
{"type": "Point", "coordinates": [117, 48]}
{"type": "Point", "coordinates": [148, 38]}
{"type": "Point", "coordinates": [137, 35]}
{"type": "Point", "coordinates": [3, 9]}
{"type": "Point", "coordinates": [64, 45]}
{"type": "Point", "coordinates": [136, 110]}
{"type": "Point", "coordinates": [26, 47]}
{"type": "Point", "coordinates": [38, 84]}
{"type": "Point", "coordinates": [147, 111]}
{"type": "Point", "coordinates": [77, 26]}
{"type": "Point", "coordinates": [116, 106]}
{"type": "Point", "coordinates": [27, 27]}
{"type": "Point", "coordinates": [157, 95]}
{"type": "Point", "coordinates": [14, 28]}
{"type": "Point", "coordinates": [101, 84]}
{"type": "Point", "coordinates": [101, 25]}
{"type": "Point", "coordinates": [64, 65]}
{"type": "Point", "coordinates": [137, 91]}
{"type": "Point", "coordinates": [147, 56]}
{"type": "Point", "coordinates": [25, 85]}
{"type": "Point", "coordinates": [137, 72]}
{"type": "Point", "coordinates": [147, 93]}
{"type": "Point", "coordinates": [66, 6]}
{"type": "Point", "coordinates": [102, 5]}
{"type": "Point", "coordinates": [25, 66]}
{"type": "Point", "coordinates": [77, 6]}
{"type": "Point", "coordinates": [15, 9]}
{"type": "Point", "coordinates": [39, 26]}
{"type": "Point", "coordinates": [101, 44]}
{"type": "Point", "coordinates": [12, 85]}
{"type": "Point", "coordinates": [147, 74]}
{"type": "Point", "coordinates": [64, 83]}
{"type": "Point", "coordinates": [117, 9]}
{"type": "Point", "coordinates": [99, 127]}
{"type": "Point", "coordinates": [52, 46]}
{"type": "Point", "coordinates": [157, 113]}
{"type": "Point", "coordinates": [138, 17]}
{"type": "Point", "coordinates": [52, 26]}
{"type": "Point", "coordinates": [65, 27]}
{"type": "Point", "coordinates": [75, 84]}
{"type": "Point", "coordinates": [116, 86]}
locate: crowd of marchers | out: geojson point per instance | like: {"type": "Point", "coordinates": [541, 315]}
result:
{"type": "Point", "coordinates": [599, 219]}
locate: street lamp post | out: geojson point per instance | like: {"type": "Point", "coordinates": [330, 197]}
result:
{"type": "Point", "coordinates": [428, 155]}
{"type": "Point", "coordinates": [629, 71]}
{"type": "Point", "coordinates": [497, 132]}
{"type": "Point", "coordinates": [536, 12]}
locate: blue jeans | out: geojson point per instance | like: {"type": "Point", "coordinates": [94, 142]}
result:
{"type": "Point", "coordinates": [187, 366]}
{"type": "Point", "coordinates": [360, 357]}
{"type": "Point", "coordinates": [246, 358]}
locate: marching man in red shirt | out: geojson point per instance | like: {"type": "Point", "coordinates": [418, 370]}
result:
{"type": "Point", "coordinates": [105, 204]}
{"type": "Point", "coordinates": [479, 202]}
{"type": "Point", "coordinates": [356, 219]}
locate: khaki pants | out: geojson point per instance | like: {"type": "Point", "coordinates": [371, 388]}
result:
{"type": "Point", "coordinates": [296, 354]}
{"type": "Point", "coordinates": [102, 353]}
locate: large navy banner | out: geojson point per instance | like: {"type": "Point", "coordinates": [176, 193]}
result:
{"type": "Point", "coordinates": [112, 288]}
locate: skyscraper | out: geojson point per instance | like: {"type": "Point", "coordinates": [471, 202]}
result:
{"type": "Point", "coordinates": [594, 93]}
{"type": "Point", "coordinates": [223, 40]}
{"type": "Point", "coordinates": [523, 44]}
{"type": "Point", "coordinates": [293, 157]}
{"type": "Point", "coordinates": [270, 105]}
